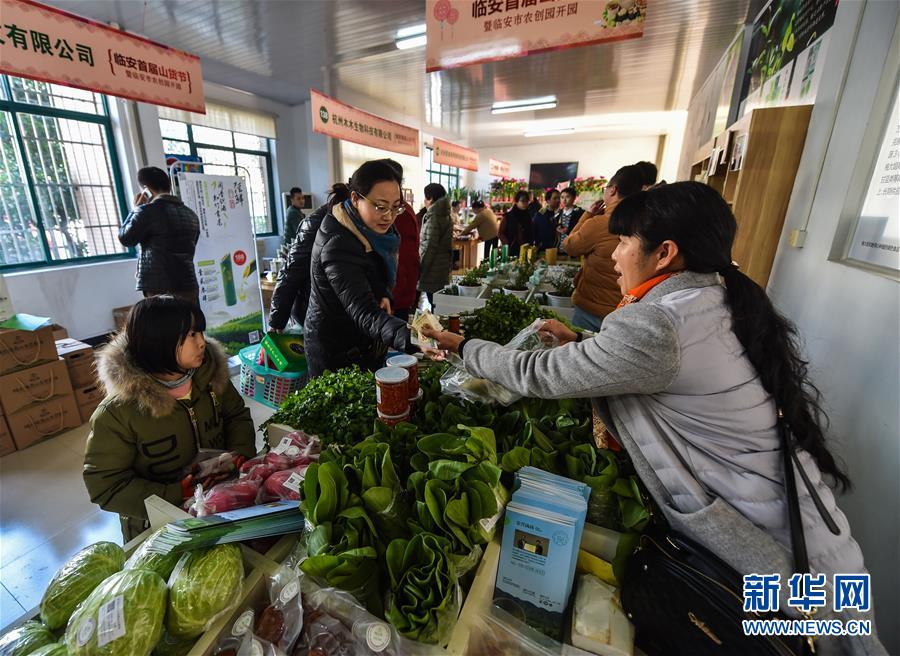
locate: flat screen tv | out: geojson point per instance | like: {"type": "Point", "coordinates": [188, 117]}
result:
{"type": "Point", "coordinates": [543, 176]}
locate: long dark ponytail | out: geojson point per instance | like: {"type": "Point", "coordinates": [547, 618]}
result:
{"type": "Point", "coordinates": [697, 219]}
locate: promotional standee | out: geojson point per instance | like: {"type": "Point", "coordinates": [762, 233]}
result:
{"type": "Point", "coordinates": [225, 258]}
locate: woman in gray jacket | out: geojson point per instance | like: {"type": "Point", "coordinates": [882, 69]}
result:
{"type": "Point", "coordinates": [689, 374]}
{"type": "Point", "coordinates": [436, 242]}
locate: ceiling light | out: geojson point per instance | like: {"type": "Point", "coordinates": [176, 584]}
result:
{"type": "Point", "coordinates": [548, 133]}
{"type": "Point", "coordinates": [411, 42]}
{"type": "Point", "coordinates": [526, 105]}
{"type": "Point", "coordinates": [412, 30]}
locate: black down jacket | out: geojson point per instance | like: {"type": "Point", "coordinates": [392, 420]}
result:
{"type": "Point", "coordinates": [344, 323]}
{"type": "Point", "coordinates": [167, 231]}
{"type": "Point", "coordinates": [291, 295]}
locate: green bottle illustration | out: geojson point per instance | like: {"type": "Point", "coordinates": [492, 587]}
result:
{"type": "Point", "coordinates": [228, 280]}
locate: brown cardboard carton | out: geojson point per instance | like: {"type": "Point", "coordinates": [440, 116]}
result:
{"type": "Point", "coordinates": [35, 385]}
{"type": "Point", "coordinates": [120, 316]}
{"type": "Point", "coordinates": [73, 351]}
{"type": "Point", "coordinates": [7, 445]}
{"type": "Point", "coordinates": [84, 374]}
{"type": "Point", "coordinates": [88, 398]}
{"type": "Point", "coordinates": [20, 349]}
{"type": "Point", "coordinates": [34, 423]}
{"type": "Point", "coordinates": [59, 332]}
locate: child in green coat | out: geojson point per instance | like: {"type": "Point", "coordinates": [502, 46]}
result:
{"type": "Point", "coordinates": [169, 396]}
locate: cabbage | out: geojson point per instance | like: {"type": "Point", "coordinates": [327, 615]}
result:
{"type": "Point", "coordinates": [56, 649]}
{"type": "Point", "coordinates": [132, 601]}
{"type": "Point", "coordinates": [143, 558]}
{"type": "Point", "coordinates": [205, 584]}
{"type": "Point", "coordinates": [77, 579]}
{"type": "Point", "coordinates": [25, 639]}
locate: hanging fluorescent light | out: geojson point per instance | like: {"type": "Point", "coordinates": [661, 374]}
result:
{"type": "Point", "coordinates": [411, 37]}
{"type": "Point", "coordinates": [549, 133]}
{"type": "Point", "coordinates": [525, 105]}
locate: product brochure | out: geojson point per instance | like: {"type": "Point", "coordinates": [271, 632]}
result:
{"type": "Point", "coordinates": [541, 537]}
{"type": "Point", "coordinates": [266, 520]}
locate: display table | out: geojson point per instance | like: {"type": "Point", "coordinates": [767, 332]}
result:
{"type": "Point", "coordinates": [468, 252]}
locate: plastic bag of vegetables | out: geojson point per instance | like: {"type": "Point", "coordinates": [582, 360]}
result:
{"type": "Point", "coordinates": [425, 598]}
{"type": "Point", "coordinates": [123, 616]}
{"type": "Point", "coordinates": [143, 558]}
{"type": "Point", "coordinates": [205, 585]}
{"type": "Point", "coordinates": [56, 649]}
{"type": "Point", "coordinates": [77, 579]}
{"type": "Point", "coordinates": [25, 639]}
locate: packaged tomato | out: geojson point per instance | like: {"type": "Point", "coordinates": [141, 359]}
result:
{"type": "Point", "coordinates": [285, 484]}
{"type": "Point", "coordinates": [294, 449]}
{"type": "Point", "coordinates": [260, 472]}
{"type": "Point", "coordinates": [253, 462]}
{"type": "Point", "coordinates": [226, 496]}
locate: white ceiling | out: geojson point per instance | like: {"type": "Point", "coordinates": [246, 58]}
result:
{"type": "Point", "coordinates": [280, 48]}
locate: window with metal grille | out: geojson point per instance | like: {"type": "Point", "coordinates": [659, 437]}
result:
{"type": "Point", "coordinates": [61, 198]}
{"type": "Point", "coordinates": [441, 173]}
{"type": "Point", "coordinates": [229, 153]}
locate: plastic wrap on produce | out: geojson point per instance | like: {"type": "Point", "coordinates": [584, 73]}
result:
{"type": "Point", "coordinates": [497, 633]}
{"type": "Point", "coordinates": [460, 383]}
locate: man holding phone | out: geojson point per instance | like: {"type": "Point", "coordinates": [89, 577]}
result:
{"type": "Point", "coordinates": [167, 232]}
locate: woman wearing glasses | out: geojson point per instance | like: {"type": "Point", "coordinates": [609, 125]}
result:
{"type": "Point", "coordinates": [354, 268]}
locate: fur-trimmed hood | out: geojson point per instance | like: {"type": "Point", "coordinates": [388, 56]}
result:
{"type": "Point", "coordinates": [125, 382]}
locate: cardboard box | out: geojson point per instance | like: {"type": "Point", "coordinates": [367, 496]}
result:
{"type": "Point", "coordinates": [59, 332]}
{"type": "Point", "coordinates": [7, 445]}
{"type": "Point", "coordinates": [20, 349]}
{"type": "Point", "coordinates": [79, 357]}
{"type": "Point", "coordinates": [35, 385]}
{"type": "Point", "coordinates": [34, 423]}
{"type": "Point", "coordinates": [88, 398]}
{"type": "Point", "coordinates": [120, 316]}
{"type": "Point", "coordinates": [286, 352]}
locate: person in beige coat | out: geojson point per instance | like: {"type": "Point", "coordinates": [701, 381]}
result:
{"type": "Point", "coordinates": [487, 225]}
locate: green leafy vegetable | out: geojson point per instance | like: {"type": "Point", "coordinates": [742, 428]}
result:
{"type": "Point", "coordinates": [502, 317]}
{"type": "Point", "coordinates": [25, 639]}
{"type": "Point", "coordinates": [337, 406]}
{"type": "Point", "coordinates": [205, 583]}
{"type": "Point", "coordinates": [424, 599]}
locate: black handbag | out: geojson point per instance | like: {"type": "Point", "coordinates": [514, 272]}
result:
{"type": "Point", "coordinates": [683, 599]}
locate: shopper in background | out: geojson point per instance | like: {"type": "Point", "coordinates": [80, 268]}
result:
{"type": "Point", "coordinates": [546, 220]}
{"type": "Point", "coordinates": [293, 217]}
{"type": "Point", "coordinates": [516, 229]}
{"type": "Point", "coordinates": [596, 285]}
{"type": "Point", "coordinates": [436, 242]}
{"type": "Point", "coordinates": [568, 216]}
{"type": "Point", "coordinates": [535, 205]}
{"type": "Point", "coordinates": [648, 174]}
{"type": "Point", "coordinates": [167, 232]}
{"type": "Point", "coordinates": [354, 270]}
{"type": "Point", "coordinates": [485, 222]}
{"type": "Point", "coordinates": [168, 395]}
{"type": "Point", "coordinates": [406, 288]}
{"type": "Point", "coordinates": [290, 299]}
{"type": "Point", "coordinates": [454, 214]}
{"type": "Point", "coordinates": [691, 373]}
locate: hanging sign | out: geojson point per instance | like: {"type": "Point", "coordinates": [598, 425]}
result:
{"type": "Point", "coordinates": [48, 44]}
{"type": "Point", "coordinates": [465, 32]}
{"type": "Point", "coordinates": [786, 59]}
{"type": "Point", "coordinates": [453, 155]}
{"type": "Point", "coordinates": [499, 168]}
{"type": "Point", "coordinates": [225, 258]}
{"type": "Point", "coordinates": [335, 119]}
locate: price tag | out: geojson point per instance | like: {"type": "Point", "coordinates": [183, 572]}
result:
{"type": "Point", "coordinates": [242, 624]}
{"type": "Point", "coordinates": [294, 482]}
{"type": "Point", "coordinates": [111, 621]}
{"type": "Point", "coordinates": [85, 631]}
{"type": "Point", "coordinates": [285, 444]}
{"type": "Point", "coordinates": [289, 591]}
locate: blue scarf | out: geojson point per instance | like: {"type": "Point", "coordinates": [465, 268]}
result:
{"type": "Point", "coordinates": [386, 245]}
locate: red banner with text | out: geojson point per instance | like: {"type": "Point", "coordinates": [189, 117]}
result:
{"type": "Point", "coordinates": [465, 32]}
{"type": "Point", "coordinates": [50, 45]}
{"type": "Point", "coordinates": [335, 119]}
{"type": "Point", "coordinates": [453, 155]}
{"type": "Point", "coordinates": [499, 168]}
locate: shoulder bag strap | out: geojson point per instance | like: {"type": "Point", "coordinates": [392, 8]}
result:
{"type": "Point", "coordinates": [795, 520]}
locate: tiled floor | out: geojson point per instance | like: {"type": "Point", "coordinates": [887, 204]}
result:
{"type": "Point", "coordinates": [46, 516]}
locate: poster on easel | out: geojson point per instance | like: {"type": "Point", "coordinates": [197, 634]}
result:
{"type": "Point", "coordinates": [225, 259]}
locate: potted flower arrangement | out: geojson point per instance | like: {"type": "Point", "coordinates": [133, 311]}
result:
{"type": "Point", "coordinates": [561, 294]}
{"type": "Point", "coordinates": [470, 284]}
{"type": "Point", "coordinates": [518, 285]}
{"type": "Point", "coordinates": [504, 189]}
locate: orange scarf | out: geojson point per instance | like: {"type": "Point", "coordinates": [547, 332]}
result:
{"type": "Point", "coordinates": [636, 294]}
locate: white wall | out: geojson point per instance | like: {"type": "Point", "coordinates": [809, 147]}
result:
{"type": "Point", "coordinates": [849, 318]}
{"type": "Point", "coordinates": [595, 158]}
